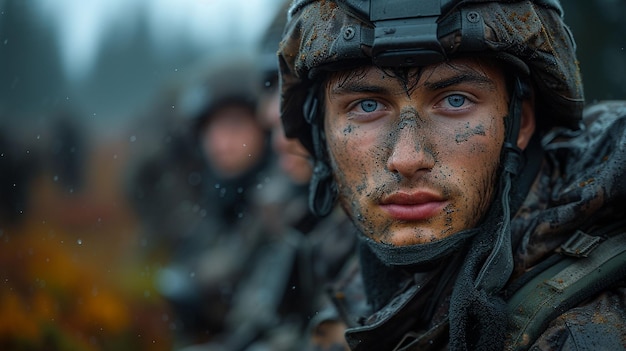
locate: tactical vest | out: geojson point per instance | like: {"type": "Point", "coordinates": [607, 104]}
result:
{"type": "Point", "coordinates": [585, 266]}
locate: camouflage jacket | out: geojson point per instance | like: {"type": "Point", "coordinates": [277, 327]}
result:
{"type": "Point", "coordinates": [582, 184]}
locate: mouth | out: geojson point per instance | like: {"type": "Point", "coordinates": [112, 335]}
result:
{"type": "Point", "coordinates": [416, 206]}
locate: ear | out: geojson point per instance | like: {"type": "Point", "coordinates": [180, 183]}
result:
{"type": "Point", "coordinates": [527, 124]}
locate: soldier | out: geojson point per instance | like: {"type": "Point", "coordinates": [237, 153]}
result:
{"type": "Point", "coordinates": [284, 288]}
{"type": "Point", "coordinates": [454, 135]}
{"type": "Point", "coordinates": [210, 258]}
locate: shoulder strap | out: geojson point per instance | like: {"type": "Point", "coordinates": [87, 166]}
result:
{"type": "Point", "coordinates": [591, 264]}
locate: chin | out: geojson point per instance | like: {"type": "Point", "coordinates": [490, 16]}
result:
{"type": "Point", "coordinates": [411, 236]}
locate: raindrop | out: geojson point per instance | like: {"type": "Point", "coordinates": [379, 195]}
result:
{"type": "Point", "coordinates": [56, 178]}
{"type": "Point", "coordinates": [133, 139]}
{"type": "Point", "coordinates": [79, 241]}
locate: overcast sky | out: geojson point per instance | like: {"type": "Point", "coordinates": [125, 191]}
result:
{"type": "Point", "coordinates": [109, 59]}
{"type": "Point", "coordinates": [81, 24]}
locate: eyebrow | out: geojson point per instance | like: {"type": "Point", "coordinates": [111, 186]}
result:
{"type": "Point", "coordinates": [460, 79]}
{"type": "Point", "coordinates": [356, 87]}
{"type": "Point", "coordinates": [352, 86]}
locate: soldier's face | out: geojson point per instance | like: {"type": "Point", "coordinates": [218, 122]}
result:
{"type": "Point", "coordinates": [416, 159]}
{"type": "Point", "coordinates": [233, 141]}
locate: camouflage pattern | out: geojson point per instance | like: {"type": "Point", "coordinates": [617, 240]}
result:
{"type": "Point", "coordinates": [581, 183]}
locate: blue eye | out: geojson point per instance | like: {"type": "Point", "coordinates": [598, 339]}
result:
{"type": "Point", "coordinates": [456, 100]}
{"type": "Point", "coordinates": [369, 105]}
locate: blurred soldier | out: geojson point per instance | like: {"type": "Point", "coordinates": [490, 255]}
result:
{"type": "Point", "coordinates": [286, 285]}
{"type": "Point", "coordinates": [208, 262]}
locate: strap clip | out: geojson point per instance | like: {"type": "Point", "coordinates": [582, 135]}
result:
{"type": "Point", "coordinates": [580, 244]}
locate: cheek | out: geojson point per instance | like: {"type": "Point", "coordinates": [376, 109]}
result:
{"type": "Point", "coordinates": [344, 155]}
{"type": "Point", "coordinates": [476, 153]}
{"type": "Point", "coordinates": [479, 139]}
{"type": "Point", "coordinates": [349, 158]}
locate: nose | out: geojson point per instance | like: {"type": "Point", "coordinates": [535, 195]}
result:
{"type": "Point", "coordinates": [410, 154]}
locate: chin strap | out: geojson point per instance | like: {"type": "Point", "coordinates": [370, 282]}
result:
{"type": "Point", "coordinates": [322, 187]}
{"type": "Point", "coordinates": [499, 265]}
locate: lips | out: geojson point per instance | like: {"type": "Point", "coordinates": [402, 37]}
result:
{"type": "Point", "coordinates": [416, 206]}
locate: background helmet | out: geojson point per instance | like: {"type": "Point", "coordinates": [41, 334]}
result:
{"type": "Point", "coordinates": [330, 35]}
{"type": "Point", "coordinates": [229, 81]}
{"type": "Point", "coordinates": [268, 44]}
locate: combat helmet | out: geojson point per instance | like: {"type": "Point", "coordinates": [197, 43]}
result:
{"type": "Point", "coordinates": [268, 45]}
{"type": "Point", "coordinates": [230, 80]}
{"type": "Point", "coordinates": [529, 35]}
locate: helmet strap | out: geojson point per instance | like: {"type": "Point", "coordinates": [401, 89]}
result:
{"type": "Point", "coordinates": [499, 265]}
{"type": "Point", "coordinates": [322, 186]}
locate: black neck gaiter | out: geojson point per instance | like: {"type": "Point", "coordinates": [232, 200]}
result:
{"type": "Point", "coordinates": [476, 316]}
